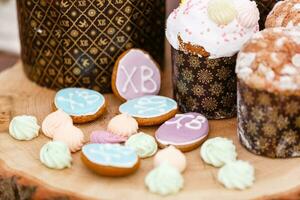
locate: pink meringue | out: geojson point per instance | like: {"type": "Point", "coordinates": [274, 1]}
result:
{"type": "Point", "coordinates": [54, 121]}
{"type": "Point", "coordinates": [70, 135]}
{"type": "Point", "coordinates": [248, 14]}
{"type": "Point", "coordinates": [104, 137]}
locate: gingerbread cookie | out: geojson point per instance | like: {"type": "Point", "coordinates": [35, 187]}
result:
{"type": "Point", "coordinates": [110, 159]}
{"type": "Point", "coordinates": [184, 131]}
{"type": "Point", "coordinates": [83, 105]}
{"type": "Point", "coordinates": [150, 110]}
{"type": "Point", "coordinates": [135, 75]}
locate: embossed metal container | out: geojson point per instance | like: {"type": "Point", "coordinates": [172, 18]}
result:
{"type": "Point", "coordinates": [268, 123]}
{"type": "Point", "coordinates": [203, 85]}
{"type": "Point", "coordinates": [75, 43]}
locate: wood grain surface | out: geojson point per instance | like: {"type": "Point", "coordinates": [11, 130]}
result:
{"type": "Point", "coordinates": [275, 179]}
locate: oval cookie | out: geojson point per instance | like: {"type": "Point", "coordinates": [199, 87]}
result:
{"type": "Point", "coordinates": [150, 110]}
{"type": "Point", "coordinates": [184, 131]}
{"type": "Point", "coordinates": [83, 105]}
{"type": "Point", "coordinates": [110, 159]}
{"type": "Point", "coordinates": [135, 75]}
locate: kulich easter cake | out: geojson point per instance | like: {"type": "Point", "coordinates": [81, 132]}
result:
{"type": "Point", "coordinates": [135, 74]}
{"type": "Point", "coordinates": [83, 105]}
{"type": "Point", "coordinates": [205, 36]}
{"type": "Point", "coordinates": [284, 14]}
{"type": "Point", "coordinates": [150, 110]}
{"type": "Point", "coordinates": [185, 131]}
{"type": "Point", "coordinates": [110, 159]}
{"type": "Point", "coordinates": [268, 69]}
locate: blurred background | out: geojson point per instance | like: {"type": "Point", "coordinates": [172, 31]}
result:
{"type": "Point", "coordinates": [9, 35]}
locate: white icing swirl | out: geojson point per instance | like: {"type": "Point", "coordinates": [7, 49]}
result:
{"type": "Point", "coordinates": [192, 23]}
{"type": "Point", "coordinates": [237, 175]}
{"type": "Point", "coordinates": [164, 180]}
{"type": "Point", "coordinates": [218, 151]}
{"type": "Point", "coordinates": [24, 127]}
{"type": "Point", "coordinates": [248, 14]}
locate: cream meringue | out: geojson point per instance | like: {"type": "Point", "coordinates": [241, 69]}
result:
{"type": "Point", "coordinates": [172, 156]}
{"type": "Point", "coordinates": [24, 127]}
{"type": "Point", "coordinates": [70, 135]}
{"type": "Point", "coordinates": [54, 121]}
{"type": "Point", "coordinates": [123, 125]}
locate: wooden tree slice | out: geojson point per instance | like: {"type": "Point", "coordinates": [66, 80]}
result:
{"type": "Point", "coordinates": [22, 176]}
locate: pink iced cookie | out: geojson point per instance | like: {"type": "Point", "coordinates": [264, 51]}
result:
{"type": "Point", "coordinates": [135, 74]}
{"type": "Point", "coordinates": [184, 131]}
{"type": "Point", "coordinates": [104, 137]}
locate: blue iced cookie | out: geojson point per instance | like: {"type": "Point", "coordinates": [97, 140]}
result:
{"type": "Point", "coordinates": [83, 105]}
{"type": "Point", "coordinates": [150, 110]}
{"type": "Point", "coordinates": [110, 159]}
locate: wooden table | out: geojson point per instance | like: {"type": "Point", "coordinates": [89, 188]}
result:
{"type": "Point", "coordinates": [22, 176]}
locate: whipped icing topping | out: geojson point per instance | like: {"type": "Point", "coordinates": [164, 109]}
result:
{"type": "Point", "coordinates": [237, 175]}
{"type": "Point", "coordinates": [271, 60]}
{"type": "Point", "coordinates": [56, 155]}
{"type": "Point", "coordinates": [218, 151]}
{"type": "Point", "coordinates": [164, 180]}
{"type": "Point", "coordinates": [220, 31]}
{"type": "Point", "coordinates": [24, 127]}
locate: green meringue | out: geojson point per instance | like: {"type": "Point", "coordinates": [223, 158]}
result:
{"type": "Point", "coordinates": [144, 144]}
{"type": "Point", "coordinates": [218, 151]}
{"type": "Point", "coordinates": [164, 180]}
{"type": "Point", "coordinates": [56, 155]}
{"type": "Point", "coordinates": [237, 175]}
{"type": "Point", "coordinates": [24, 127]}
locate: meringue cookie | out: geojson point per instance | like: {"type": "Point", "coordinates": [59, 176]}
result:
{"type": "Point", "coordinates": [56, 155]}
{"type": "Point", "coordinates": [144, 144]}
{"type": "Point", "coordinates": [24, 127]}
{"type": "Point", "coordinates": [164, 180]}
{"type": "Point", "coordinates": [104, 137]}
{"type": "Point", "coordinates": [70, 135]}
{"type": "Point", "coordinates": [237, 175]}
{"type": "Point", "coordinates": [123, 125]}
{"type": "Point", "coordinates": [172, 156]}
{"type": "Point", "coordinates": [248, 14]}
{"type": "Point", "coordinates": [218, 151]}
{"type": "Point", "coordinates": [222, 12]}
{"type": "Point", "coordinates": [54, 121]}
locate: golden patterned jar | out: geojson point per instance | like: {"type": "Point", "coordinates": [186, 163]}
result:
{"type": "Point", "coordinates": [75, 43]}
{"type": "Point", "coordinates": [268, 69]}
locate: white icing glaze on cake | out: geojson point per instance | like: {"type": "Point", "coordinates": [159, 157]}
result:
{"type": "Point", "coordinates": [218, 35]}
{"type": "Point", "coordinates": [271, 60]}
